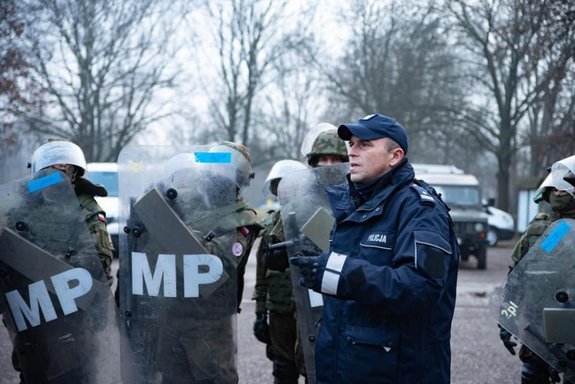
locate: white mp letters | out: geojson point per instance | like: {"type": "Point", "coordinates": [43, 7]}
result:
{"type": "Point", "coordinates": [198, 270]}
{"type": "Point", "coordinates": [40, 302]}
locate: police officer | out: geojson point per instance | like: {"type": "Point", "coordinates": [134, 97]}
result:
{"type": "Point", "coordinates": [559, 194]}
{"type": "Point", "coordinates": [71, 338]}
{"type": "Point", "coordinates": [389, 278]}
{"type": "Point", "coordinates": [326, 149]}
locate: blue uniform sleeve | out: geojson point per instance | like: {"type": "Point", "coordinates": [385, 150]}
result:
{"type": "Point", "coordinates": [416, 278]}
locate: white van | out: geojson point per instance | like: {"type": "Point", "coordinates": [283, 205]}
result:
{"type": "Point", "coordinates": [107, 175]}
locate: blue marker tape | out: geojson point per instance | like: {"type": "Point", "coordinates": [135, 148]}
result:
{"type": "Point", "coordinates": [46, 181]}
{"type": "Point", "coordinates": [213, 157]}
{"type": "Point", "coordinates": [555, 237]}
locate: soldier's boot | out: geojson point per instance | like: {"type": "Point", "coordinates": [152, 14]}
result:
{"type": "Point", "coordinates": [285, 371]}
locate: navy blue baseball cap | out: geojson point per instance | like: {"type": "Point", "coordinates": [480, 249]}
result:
{"type": "Point", "coordinates": [373, 127]}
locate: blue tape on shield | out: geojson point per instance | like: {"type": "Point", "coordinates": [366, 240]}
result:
{"type": "Point", "coordinates": [43, 182]}
{"type": "Point", "coordinates": [213, 157]}
{"type": "Point", "coordinates": [555, 237]}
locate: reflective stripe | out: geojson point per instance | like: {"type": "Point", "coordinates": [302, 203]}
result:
{"type": "Point", "coordinates": [329, 283]}
{"type": "Point", "coordinates": [335, 261]}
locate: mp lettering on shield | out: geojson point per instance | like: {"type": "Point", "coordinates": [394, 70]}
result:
{"type": "Point", "coordinates": [198, 270]}
{"type": "Point", "coordinates": [68, 286]}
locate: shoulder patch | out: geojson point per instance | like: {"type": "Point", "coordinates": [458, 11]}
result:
{"type": "Point", "coordinates": [424, 196]}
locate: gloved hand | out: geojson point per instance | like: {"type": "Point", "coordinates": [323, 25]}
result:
{"type": "Point", "coordinates": [505, 337]}
{"type": "Point", "coordinates": [276, 260]}
{"type": "Point", "coordinates": [311, 269]}
{"type": "Point", "coordinates": [261, 328]}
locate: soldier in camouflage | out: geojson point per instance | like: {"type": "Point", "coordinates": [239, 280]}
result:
{"type": "Point", "coordinates": [196, 340]}
{"type": "Point", "coordinates": [69, 358]}
{"type": "Point", "coordinates": [559, 194]}
{"type": "Point", "coordinates": [327, 149]}
{"type": "Point", "coordinates": [248, 226]}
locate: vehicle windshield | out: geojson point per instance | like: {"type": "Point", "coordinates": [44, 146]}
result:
{"type": "Point", "coordinates": [459, 195]}
{"type": "Point", "coordinates": [107, 179]}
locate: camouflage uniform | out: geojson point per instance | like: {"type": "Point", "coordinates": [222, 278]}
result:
{"type": "Point", "coordinates": [196, 340]}
{"type": "Point", "coordinates": [96, 220]}
{"type": "Point", "coordinates": [62, 351]}
{"type": "Point", "coordinates": [273, 293]}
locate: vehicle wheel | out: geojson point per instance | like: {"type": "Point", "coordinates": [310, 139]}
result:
{"type": "Point", "coordinates": [482, 257]}
{"type": "Point", "coordinates": [492, 237]}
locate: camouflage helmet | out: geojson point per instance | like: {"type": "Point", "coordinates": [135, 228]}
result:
{"type": "Point", "coordinates": [327, 143]}
{"type": "Point", "coordinates": [241, 159]}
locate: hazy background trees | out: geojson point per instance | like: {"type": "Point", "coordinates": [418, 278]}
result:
{"type": "Point", "coordinates": [100, 65]}
{"type": "Point", "coordinates": [487, 85]}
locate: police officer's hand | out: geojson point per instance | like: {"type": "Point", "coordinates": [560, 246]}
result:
{"type": "Point", "coordinates": [505, 337]}
{"type": "Point", "coordinates": [311, 269]}
{"type": "Point", "coordinates": [261, 328]}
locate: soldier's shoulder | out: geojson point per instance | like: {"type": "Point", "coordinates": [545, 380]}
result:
{"type": "Point", "coordinates": [246, 215]}
{"type": "Point", "coordinates": [88, 203]}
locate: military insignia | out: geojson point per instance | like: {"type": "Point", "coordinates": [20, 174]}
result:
{"type": "Point", "coordinates": [245, 231]}
{"type": "Point", "coordinates": [237, 249]}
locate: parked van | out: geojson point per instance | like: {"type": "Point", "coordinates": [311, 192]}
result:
{"type": "Point", "coordinates": [107, 175]}
{"type": "Point", "coordinates": [460, 191]}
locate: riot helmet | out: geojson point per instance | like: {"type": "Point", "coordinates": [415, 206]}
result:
{"type": "Point", "coordinates": [279, 170]}
{"type": "Point", "coordinates": [324, 141]}
{"type": "Point", "coordinates": [241, 159]}
{"type": "Point", "coordinates": [570, 178]}
{"type": "Point", "coordinates": [58, 152]}
{"type": "Point", "coordinates": [556, 179]}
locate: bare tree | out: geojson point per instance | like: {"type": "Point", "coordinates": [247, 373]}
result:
{"type": "Point", "coordinates": [501, 37]}
{"type": "Point", "coordinates": [398, 62]}
{"type": "Point", "coordinates": [18, 93]}
{"type": "Point", "coordinates": [250, 37]}
{"type": "Point", "coordinates": [102, 64]}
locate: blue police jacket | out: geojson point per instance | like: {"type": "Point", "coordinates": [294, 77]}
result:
{"type": "Point", "coordinates": [389, 286]}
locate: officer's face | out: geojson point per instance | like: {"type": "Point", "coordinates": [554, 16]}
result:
{"type": "Point", "coordinates": [370, 159]}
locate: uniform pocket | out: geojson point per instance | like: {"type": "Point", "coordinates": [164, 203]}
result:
{"type": "Point", "coordinates": [371, 353]}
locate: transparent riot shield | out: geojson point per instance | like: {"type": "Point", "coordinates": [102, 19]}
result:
{"type": "Point", "coordinates": [307, 222]}
{"type": "Point", "coordinates": [178, 284]}
{"type": "Point", "coordinates": [537, 304]}
{"type": "Point", "coordinates": [55, 300]}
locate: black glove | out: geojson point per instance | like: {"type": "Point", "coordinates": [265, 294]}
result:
{"type": "Point", "coordinates": [261, 328]}
{"type": "Point", "coordinates": [276, 260]}
{"type": "Point", "coordinates": [505, 337]}
{"type": "Point", "coordinates": [311, 269]}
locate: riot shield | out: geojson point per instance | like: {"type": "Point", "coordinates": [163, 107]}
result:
{"type": "Point", "coordinates": [307, 222]}
{"type": "Point", "coordinates": [177, 291]}
{"type": "Point", "coordinates": [55, 300]}
{"type": "Point", "coordinates": [537, 304]}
